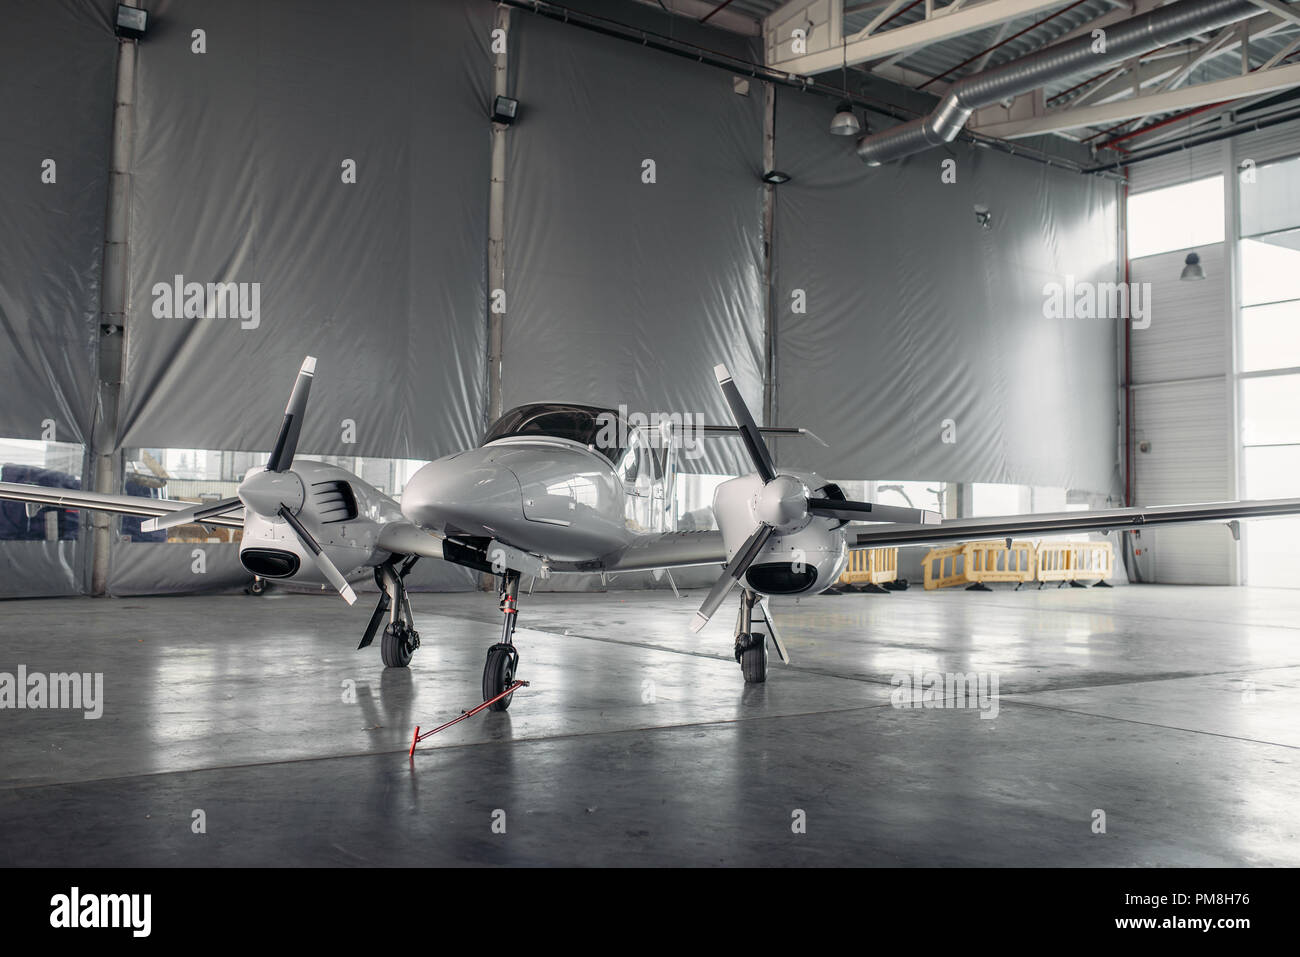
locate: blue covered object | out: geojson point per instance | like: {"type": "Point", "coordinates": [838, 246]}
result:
{"type": "Point", "coordinates": [14, 523]}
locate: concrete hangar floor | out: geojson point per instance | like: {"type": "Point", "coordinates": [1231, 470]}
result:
{"type": "Point", "coordinates": [1173, 710]}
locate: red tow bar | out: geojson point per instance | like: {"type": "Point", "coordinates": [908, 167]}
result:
{"type": "Point", "coordinates": [418, 737]}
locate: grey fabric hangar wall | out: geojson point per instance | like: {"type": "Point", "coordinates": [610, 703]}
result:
{"type": "Point", "coordinates": [915, 314]}
{"type": "Point", "coordinates": [57, 60]}
{"type": "Point", "coordinates": [240, 176]}
{"type": "Point", "coordinates": [620, 290]}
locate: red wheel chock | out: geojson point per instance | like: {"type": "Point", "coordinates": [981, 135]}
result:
{"type": "Point", "coordinates": [418, 737]}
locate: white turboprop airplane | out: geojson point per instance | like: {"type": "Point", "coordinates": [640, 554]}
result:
{"type": "Point", "coordinates": [545, 494]}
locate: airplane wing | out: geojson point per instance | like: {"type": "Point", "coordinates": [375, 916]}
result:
{"type": "Point", "coordinates": [115, 504]}
{"type": "Point", "coordinates": [671, 550]}
{"type": "Point", "coordinates": [1064, 523]}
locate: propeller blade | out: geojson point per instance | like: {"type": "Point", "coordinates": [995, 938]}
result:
{"type": "Point", "coordinates": [327, 567]}
{"type": "Point", "coordinates": [195, 514]}
{"type": "Point", "coordinates": [746, 425]}
{"type": "Point", "coordinates": [871, 512]}
{"type": "Point", "coordinates": [734, 571]}
{"type": "Point", "coordinates": [286, 443]}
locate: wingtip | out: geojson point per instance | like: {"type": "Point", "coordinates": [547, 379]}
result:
{"type": "Point", "coordinates": [149, 525]}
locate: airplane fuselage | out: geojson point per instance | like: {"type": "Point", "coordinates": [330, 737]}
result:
{"type": "Point", "coordinates": [546, 495]}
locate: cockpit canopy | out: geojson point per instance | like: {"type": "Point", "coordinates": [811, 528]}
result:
{"type": "Point", "coordinates": [602, 429]}
{"type": "Point", "coordinates": [578, 423]}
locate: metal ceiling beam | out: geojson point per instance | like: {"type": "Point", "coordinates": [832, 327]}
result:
{"type": "Point", "coordinates": [1242, 38]}
{"type": "Point", "coordinates": [1152, 135]}
{"type": "Point", "coordinates": [715, 11]}
{"type": "Point", "coordinates": [1287, 11]}
{"type": "Point", "coordinates": [1146, 139]}
{"type": "Point", "coordinates": [988, 54]}
{"type": "Point", "coordinates": [1000, 42]}
{"type": "Point", "coordinates": [879, 18]}
{"type": "Point", "coordinates": [1122, 12]}
{"type": "Point", "coordinates": [901, 39]}
{"type": "Point", "coordinates": [1260, 81]}
{"type": "Point", "coordinates": [1156, 68]}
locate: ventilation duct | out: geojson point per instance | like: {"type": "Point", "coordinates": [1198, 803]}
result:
{"type": "Point", "coordinates": [1130, 38]}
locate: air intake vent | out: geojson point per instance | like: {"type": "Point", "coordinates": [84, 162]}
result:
{"type": "Point", "coordinates": [333, 502]}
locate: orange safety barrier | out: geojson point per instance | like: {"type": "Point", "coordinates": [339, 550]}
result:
{"type": "Point", "coordinates": [975, 563]}
{"type": "Point", "coordinates": [999, 562]}
{"type": "Point", "coordinates": [945, 567]}
{"type": "Point", "coordinates": [870, 568]}
{"type": "Point", "coordinates": [1075, 562]}
{"type": "Point", "coordinates": [1054, 564]}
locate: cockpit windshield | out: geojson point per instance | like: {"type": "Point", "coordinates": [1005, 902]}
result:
{"type": "Point", "coordinates": [579, 423]}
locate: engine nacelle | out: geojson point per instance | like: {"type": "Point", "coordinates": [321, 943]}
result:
{"type": "Point", "coordinates": [342, 512]}
{"type": "Point", "coordinates": [802, 557]}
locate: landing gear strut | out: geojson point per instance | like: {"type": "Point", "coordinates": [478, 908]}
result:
{"type": "Point", "coordinates": [751, 646]}
{"type": "Point", "coordinates": [502, 658]}
{"type": "Point", "coordinates": [400, 637]}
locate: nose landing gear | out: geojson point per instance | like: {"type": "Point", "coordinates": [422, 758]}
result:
{"type": "Point", "coordinates": [751, 646]}
{"type": "Point", "coordinates": [400, 637]}
{"type": "Point", "coordinates": [502, 658]}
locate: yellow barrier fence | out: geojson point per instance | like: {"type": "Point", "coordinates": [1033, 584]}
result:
{"type": "Point", "coordinates": [945, 567]}
{"type": "Point", "coordinates": [1095, 560]}
{"type": "Point", "coordinates": [1054, 563]}
{"type": "Point", "coordinates": [870, 569]}
{"type": "Point", "coordinates": [999, 562]}
{"type": "Point", "coordinates": [976, 563]}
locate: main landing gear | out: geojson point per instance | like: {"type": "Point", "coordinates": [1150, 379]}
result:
{"type": "Point", "coordinates": [502, 658]}
{"type": "Point", "coordinates": [751, 646]}
{"type": "Point", "coordinates": [400, 638]}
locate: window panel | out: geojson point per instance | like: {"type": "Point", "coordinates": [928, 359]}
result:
{"type": "Point", "coordinates": [1270, 336]}
{"type": "Point", "coordinates": [1179, 217]}
{"type": "Point", "coordinates": [926, 495]}
{"type": "Point", "coordinates": [1269, 407]}
{"type": "Point", "coordinates": [1270, 198]}
{"type": "Point", "coordinates": [1270, 272]}
{"type": "Point", "coordinates": [991, 500]}
{"type": "Point", "coordinates": [1270, 552]}
{"type": "Point", "coordinates": [1272, 471]}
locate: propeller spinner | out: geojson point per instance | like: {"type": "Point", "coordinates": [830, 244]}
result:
{"type": "Point", "coordinates": [275, 492]}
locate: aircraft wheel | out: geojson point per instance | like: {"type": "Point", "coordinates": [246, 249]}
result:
{"type": "Point", "coordinates": [751, 651]}
{"type": "Point", "coordinates": [258, 586]}
{"type": "Point", "coordinates": [499, 674]}
{"type": "Point", "coordinates": [397, 645]}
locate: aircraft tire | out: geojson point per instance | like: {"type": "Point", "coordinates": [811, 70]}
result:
{"type": "Point", "coordinates": [753, 660]}
{"type": "Point", "coordinates": [498, 674]}
{"type": "Point", "coordinates": [395, 647]}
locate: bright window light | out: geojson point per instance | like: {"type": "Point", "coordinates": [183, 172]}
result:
{"type": "Point", "coordinates": [1270, 272]}
{"type": "Point", "coordinates": [1271, 470]}
{"type": "Point", "coordinates": [988, 499]}
{"type": "Point", "coordinates": [1178, 217]}
{"type": "Point", "coordinates": [1270, 336]}
{"type": "Point", "coordinates": [1269, 406]}
{"type": "Point", "coordinates": [1270, 552]}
